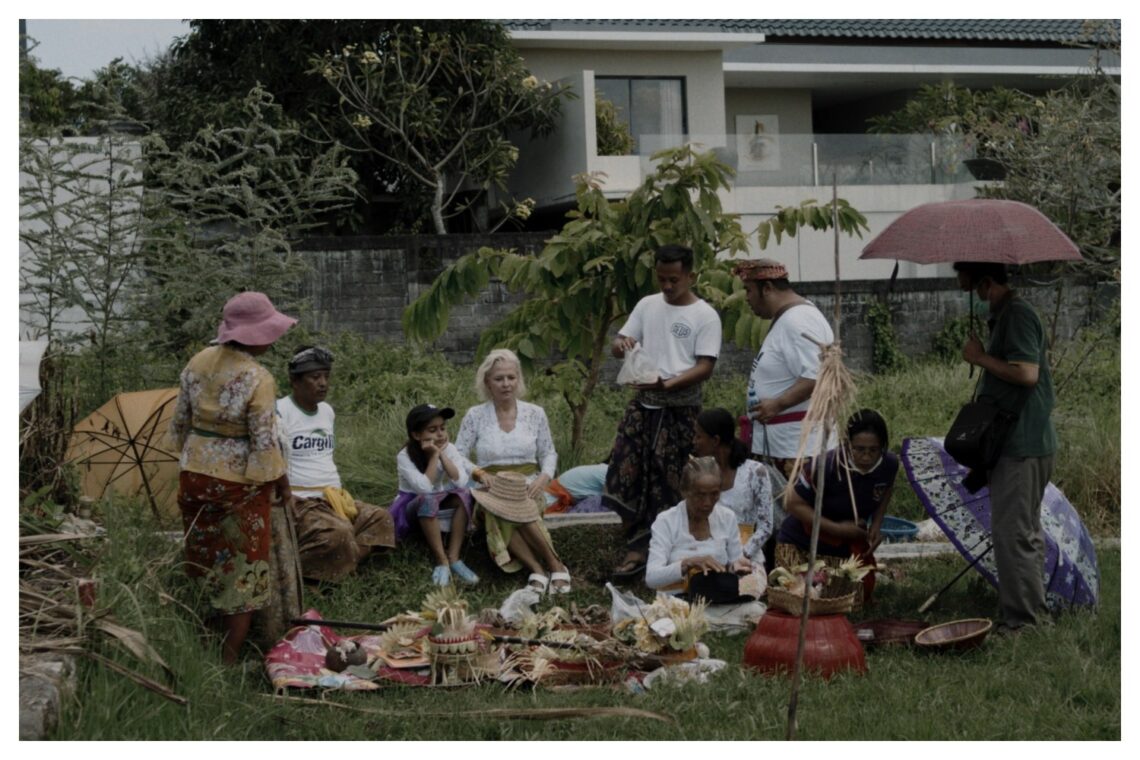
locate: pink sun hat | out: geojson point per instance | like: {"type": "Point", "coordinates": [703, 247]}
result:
{"type": "Point", "coordinates": [250, 319]}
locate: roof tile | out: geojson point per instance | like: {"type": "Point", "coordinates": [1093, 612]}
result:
{"type": "Point", "coordinates": [1020, 30]}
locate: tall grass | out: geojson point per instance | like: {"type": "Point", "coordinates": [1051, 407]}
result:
{"type": "Point", "coordinates": [1059, 683]}
{"type": "Point", "coordinates": [1062, 682]}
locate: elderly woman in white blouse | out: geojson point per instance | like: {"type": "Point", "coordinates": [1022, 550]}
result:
{"type": "Point", "coordinates": [745, 486]}
{"type": "Point", "coordinates": [506, 433]}
{"type": "Point", "coordinates": [697, 535]}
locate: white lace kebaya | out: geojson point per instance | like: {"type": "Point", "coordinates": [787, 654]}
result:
{"type": "Point", "coordinates": [482, 441]}
{"type": "Point", "coordinates": [750, 499]}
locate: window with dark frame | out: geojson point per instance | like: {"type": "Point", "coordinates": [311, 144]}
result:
{"type": "Point", "coordinates": [649, 106]}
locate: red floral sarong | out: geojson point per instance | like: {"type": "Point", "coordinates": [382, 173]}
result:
{"type": "Point", "coordinates": [227, 540]}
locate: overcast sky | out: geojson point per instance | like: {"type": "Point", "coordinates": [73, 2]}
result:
{"type": "Point", "coordinates": [78, 48]}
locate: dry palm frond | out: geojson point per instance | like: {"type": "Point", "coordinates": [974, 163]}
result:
{"type": "Point", "coordinates": [138, 678]}
{"type": "Point", "coordinates": [401, 637]}
{"type": "Point", "coordinates": [53, 617]}
{"type": "Point", "coordinates": [533, 713]}
{"type": "Point", "coordinates": [853, 569]}
{"type": "Point", "coordinates": [538, 626]}
{"type": "Point", "coordinates": [831, 399]}
{"type": "Point", "coordinates": [446, 597]}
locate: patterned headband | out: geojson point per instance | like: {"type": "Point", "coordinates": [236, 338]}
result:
{"type": "Point", "coordinates": [760, 269]}
{"type": "Point", "coordinates": [309, 360]}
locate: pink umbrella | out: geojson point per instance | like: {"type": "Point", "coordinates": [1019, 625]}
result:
{"type": "Point", "coordinates": [981, 229]}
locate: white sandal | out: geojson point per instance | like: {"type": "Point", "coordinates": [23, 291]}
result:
{"type": "Point", "coordinates": [538, 582]}
{"type": "Point", "coordinates": [565, 576]}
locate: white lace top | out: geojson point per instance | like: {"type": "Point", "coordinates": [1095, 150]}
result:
{"type": "Point", "coordinates": [750, 499]}
{"type": "Point", "coordinates": [481, 439]}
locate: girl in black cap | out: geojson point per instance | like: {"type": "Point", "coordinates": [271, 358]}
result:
{"type": "Point", "coordinates": [431, 474]}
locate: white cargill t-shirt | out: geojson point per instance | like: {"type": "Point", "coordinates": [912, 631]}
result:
{"type": "Point", "coordinates": [785, 357]}
{"type": "Point", "coordinates": [674, 336]}
{"type": "Point", "coordinates": [308, 442]}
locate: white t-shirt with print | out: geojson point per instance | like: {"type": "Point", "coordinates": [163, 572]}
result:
{"type": "Point", "coordinates": [674, 336]}
{"type": "Point", "coordinates": [308, 442]}
{"type": "Point", "coordinates": [784, 358]}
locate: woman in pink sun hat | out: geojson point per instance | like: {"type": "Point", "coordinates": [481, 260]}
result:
{"type": "Point", "coordinates": [226, 428]}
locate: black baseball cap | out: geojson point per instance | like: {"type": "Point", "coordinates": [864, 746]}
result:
{"type": "Point", "coordinates": [425, 413]}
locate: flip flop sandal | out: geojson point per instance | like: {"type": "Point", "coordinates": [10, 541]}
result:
{"type": "Point", "coordinates": [564, 588]}
{"type": "Point", "coordinates": [629, 568]}
{"type": "Point", "coordinates": [538, 582]}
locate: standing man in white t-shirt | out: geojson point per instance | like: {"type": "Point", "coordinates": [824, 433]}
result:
{"type": "Point", "coordinates": [681, 334]}
{"type": "Point", "coordinates": [334, 530]}
{"type": "Point", "coordinates": [784, 372]}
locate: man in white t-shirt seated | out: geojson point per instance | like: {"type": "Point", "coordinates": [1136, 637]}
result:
{"type": "Point", "coordinates": [784, 372]}
{"type": "Point", "coordinates": [334, 531]}
{"type": "Point", "coordinates": [681, 334]}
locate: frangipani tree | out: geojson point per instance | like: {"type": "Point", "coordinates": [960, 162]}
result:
{"type": "Point", "coordinates": [439, 105]}
{"type": "Point", "coordinates": [589, 276]}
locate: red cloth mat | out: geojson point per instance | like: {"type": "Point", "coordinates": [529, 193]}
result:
{"type": "Point", "coordinates": [298, 661]}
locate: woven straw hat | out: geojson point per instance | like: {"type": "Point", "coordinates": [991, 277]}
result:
{"type": "Point", "coordinates": [507, 498]}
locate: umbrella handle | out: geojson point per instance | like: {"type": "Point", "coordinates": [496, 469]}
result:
{"type": "Point", "coordinates": [972, 333]}
{"type": "Point", "coordinates": [934, 597]}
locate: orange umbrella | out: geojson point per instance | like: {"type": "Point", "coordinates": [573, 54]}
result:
{"type": "Point", "coordinates": [123, 448]}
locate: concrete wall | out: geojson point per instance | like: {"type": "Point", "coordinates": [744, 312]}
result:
{"type": "Point", "coordinates": [810, 255]}
{"type": "Point", "coordinates": [547, 178]}
{"type": "Point", "coordinates": [364, 284]}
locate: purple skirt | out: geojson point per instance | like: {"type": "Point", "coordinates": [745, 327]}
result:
{"type": "Point", "coordinates": [409, 507]}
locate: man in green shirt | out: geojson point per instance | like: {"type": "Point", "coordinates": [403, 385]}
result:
{"type": "Point", "coordinates": [1016, 378]}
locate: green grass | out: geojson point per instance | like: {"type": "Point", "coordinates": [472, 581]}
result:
{"type": "Point", "coordinates": [1059, 683]}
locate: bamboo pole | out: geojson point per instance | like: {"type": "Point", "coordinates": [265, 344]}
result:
{"type": "Point", "coordinates": [835, 227]}
{"type": "Point", "coordinates": [793, 700]}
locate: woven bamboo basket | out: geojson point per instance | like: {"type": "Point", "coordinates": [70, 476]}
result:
{"type": "Point", "coordinates": [793, 603]}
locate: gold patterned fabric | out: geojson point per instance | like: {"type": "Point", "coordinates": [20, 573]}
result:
{"type": "Point", "coordinates": [225, 420]}
{"type": "Point", "coordinates": [499, 530]}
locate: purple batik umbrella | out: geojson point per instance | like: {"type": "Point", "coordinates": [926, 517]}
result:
{"type": "Point", "coordinates": [1070, 571]}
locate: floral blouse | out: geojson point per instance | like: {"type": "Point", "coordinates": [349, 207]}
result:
{"type": "Point", "coordinates": [225, 421]}
{"type": "Point", "coordinates": [750, 498]}
{"type": "Point", "coordinates": [529, 443]}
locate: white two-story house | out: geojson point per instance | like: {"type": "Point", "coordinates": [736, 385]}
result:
{"type": "Point", "coordinates": [785, 103]}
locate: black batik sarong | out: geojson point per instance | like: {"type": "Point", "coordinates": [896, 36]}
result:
{"type": "Point", "coordinates": [644, 476]}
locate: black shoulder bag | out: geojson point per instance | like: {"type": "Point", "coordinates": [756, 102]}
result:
{"type": "Point", "coordinates": [979, 433]}
{"type": "Point", "coordinates": [978, 436]}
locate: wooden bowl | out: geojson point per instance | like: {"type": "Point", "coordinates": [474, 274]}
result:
{"type": "Point", "coordinates": [957, 634]}
{"type": "Point", "coordinates": [886, 631]}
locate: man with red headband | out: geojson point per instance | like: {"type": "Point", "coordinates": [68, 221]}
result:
{"type": "Point", "coordinates": [784, 372]}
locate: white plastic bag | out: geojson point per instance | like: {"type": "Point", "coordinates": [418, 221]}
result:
{"type": "Point", "coordinates": [625, 606]}
{"type": "Point", "coordinates": [518, 605]}
{"type": "Point", "coordinates": [638, 368]}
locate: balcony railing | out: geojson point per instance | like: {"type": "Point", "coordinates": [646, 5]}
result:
{"type": "Point", "coordinates": [813, 159]}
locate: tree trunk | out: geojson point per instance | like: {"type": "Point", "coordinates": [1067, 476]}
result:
{"type": "Point", "coordinates": [595, 368]}
{"type": "Point", "coordinates": [437, 206]}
